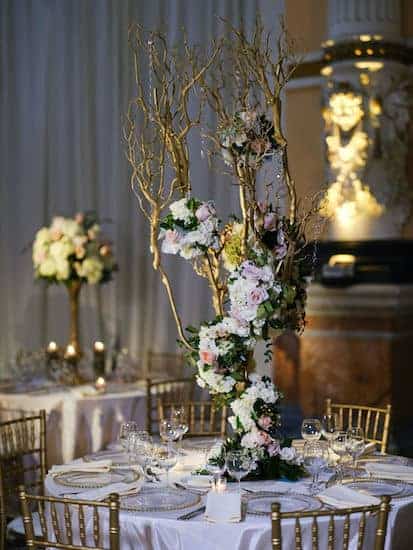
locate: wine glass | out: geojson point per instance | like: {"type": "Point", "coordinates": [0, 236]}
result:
{"type": "Point", "coordinates": [137, 444]}
{"type": "Point", "coordinates": [125, 429]}
{"type": "Point", "coordinates": [215, 461]}
{"type": "Point", "coordinates": [166, 458]}
{"type": "Point", "coordinates": [339, 446]}
{"type": "Point", "coordinates": [311, 429]}
{"type": "Point", "coordinates": [238, 465]}
{"type": "Point", "coordinates": [179, 416]}
{"type": "Point", "coordinates": [169, 431]}
{"type": "Point", "coordinates": [329, 426]}
{"type": "Point", "coordinates": [315, 455]}
{"type": "Point", "coordinates": [355, 444]}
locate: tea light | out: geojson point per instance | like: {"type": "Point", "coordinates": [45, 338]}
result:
{"type": "Point", "coordinates": [52, 350]}
{"type": "Point", "coordinates": [100, 384]}
{"type": "Point", "coordinates": [70, 352]}
{"type": "Point", "coordinates": [99, 353]}
{"type": "Point", "coordinates": [219, 485]}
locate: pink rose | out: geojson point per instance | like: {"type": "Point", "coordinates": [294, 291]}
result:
{"type": "Point", "coordinates": [79, 218]}
{"type": "Point", "coordinates": [270, 221]}
{"type": "Point", "coordinates": [274, 448]}
{"type": "Point", "coordinates": [207, 357]}
{"type": "Point", "coordinates": [251, 271]}
{"type": "Point", "coordinates": [281, 249]}
{"type": "Point", "coordinates": [105, 250]}
{"type": "Point", "coordinates": [204, 211]}
{"type": "Point", "coordinates": [265, 422]}
{"type": "Point", "coordinates": [80, 252]}
{"type": "Point", "coordinates": [257, 296]}
{"type": "Point", "coordinates": [264, 438]}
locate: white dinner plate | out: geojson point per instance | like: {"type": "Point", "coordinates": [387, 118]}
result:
{"type": "Point", "coordinates": [260, 503]}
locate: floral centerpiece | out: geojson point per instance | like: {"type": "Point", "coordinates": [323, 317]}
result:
{"type": "Point", "coordinates": [73, 252]}
{"type": "Point", "coordinates": [255, 263]}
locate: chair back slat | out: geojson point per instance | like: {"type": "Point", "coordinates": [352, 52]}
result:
{"type": "Point", "coordinates": [346, 532]}
{"type": "Point", "coordinates": [42, 519]}
{"type": "Point", "coordinates": [362, 530]}
{"type": "Point", "coordinates": [204, 419]}
{"type": "Point", "coordinates": [330, 533]}
{"type": "Point", "coordinates": [55, 522]}
{"type": "Point", "coordinates": [68, 523]}
{"type": "Point", "coordinates": [297, 530]}
{"type": "Point", "coordinates": [63, 534]}
{"type": "Point", "coordinates": [375, 421]}
{"type": "Point", "coordinates": [358, 514]}
{"type": "Point", "coordinates": [314, 534]}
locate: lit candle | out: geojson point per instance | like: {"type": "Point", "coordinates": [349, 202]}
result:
{"type": "Point", "coordinates": [70, 352]}
{"type": "Point", "coordinates": [100, 384]}
{"type": "Point", "coordinates": [99, 358]}
{"type": "Point", "coordinates": [52, 350]}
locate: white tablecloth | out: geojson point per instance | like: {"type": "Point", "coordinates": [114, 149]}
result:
{"type": "Point", "coordinates": [79, 421]}
{"type": "Point", "coordinates": [162, 531]}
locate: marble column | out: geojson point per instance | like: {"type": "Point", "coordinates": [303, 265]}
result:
{"type": "Point", "coordinates": [356, 349]}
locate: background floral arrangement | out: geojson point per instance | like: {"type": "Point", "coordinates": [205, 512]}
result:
{"type": "Point", "coordinates": [255, 264]}
{"type": "Point", "coordinates": [73, 249]}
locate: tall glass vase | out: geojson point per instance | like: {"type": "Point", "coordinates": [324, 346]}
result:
{"type": "Point", "coordinates": [74, 294]}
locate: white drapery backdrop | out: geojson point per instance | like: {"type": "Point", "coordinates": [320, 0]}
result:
{"type": "Point", "coordinates": [65, 81]}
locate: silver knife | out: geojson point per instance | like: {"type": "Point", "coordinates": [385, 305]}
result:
{"type": "Point", "coordinates": [192, 514]}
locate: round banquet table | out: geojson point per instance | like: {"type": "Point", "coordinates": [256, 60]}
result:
{"type": "Point", "coordinates": [164, 531]}
{"type": "Point", "coordinates": [79, 420]}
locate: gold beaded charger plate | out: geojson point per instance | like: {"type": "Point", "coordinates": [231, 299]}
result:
{"type": "Point", "coordinates": [259, 504]}
{"type": "Point", "coordinates": [157, 499]}
{"type": "Point", "coordinates": [95, 480]}
{"type": "Point", "coordinates": [380, 487]}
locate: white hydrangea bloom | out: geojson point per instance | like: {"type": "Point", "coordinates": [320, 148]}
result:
{"type": "Point", "coordinates": [180, 211]}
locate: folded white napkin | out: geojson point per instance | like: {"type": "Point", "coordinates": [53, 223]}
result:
{"type": "Point", "coordinates": [340, 496]}
{"type": "Point", "coordinates": [122, 489]}
{"type": "Point", "coordinates": [197, 481]}
{"type": "Point", "coordinates": [223, 507]}
{"type": "Point", "coordinates": [390, 471]}
{"type": "Point", "coordinates": [190, 460]}
{"type": "Point", "coordinates": [96, 466]}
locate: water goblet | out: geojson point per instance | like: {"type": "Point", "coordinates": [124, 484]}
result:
{"type": "Point", "coordinates": [238, 465]}
{"type": "Point", "coordinates": [137, 444]}
{"type": "Point", "coordinates": [179, 416]}
{"type": "Point", "coordinates": [329, 426]}
{"type": "Point", "coordinates": [311, 429]}
{"type": "Point", "coordinates": [339, 447]}
{"type": "Point", "coordinates": [215, 461]}
{"type": "Point", "coordinates": [125, 429]}
{"type": "Point", "coordinates": [355, 444]}
{"type": "Point", "coordinates": [169, 431]}
{"type": "Point", "coordinates": [315, 455]}
{"type": "Point", "coordinates": [166, 459]}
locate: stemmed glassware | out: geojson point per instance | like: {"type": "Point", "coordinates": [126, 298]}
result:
{"type": "Point", "coordinates": [139, 443]}
{"type": "Point", "coordinates": [355, 444]}
{"type": "Point", "coordinates": [238, 465]}
{"type": "Point", "coordinates": [311, 429]}
{"type": "Point", "coordinates": [179, 416]}
{"type": "Point", "coordinates": [329, 426]}
{"type": "Point", "coordinates": [215, 461]}
{"type": "Point", "coordinates": [315, 457]}
{"type": "Point", "coordinates": [169, 431]}
{"type": "Point", "coordinates": [125, 429]}
{"type": "Point", "coordinates": [339, 446]}
{"type": "Point", "coordinates": [166, 459]}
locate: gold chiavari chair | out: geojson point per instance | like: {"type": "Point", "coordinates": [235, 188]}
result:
{"type": "Point", "coordinates": [167, 391]}
{"type": "Point", "coordinates": [22, 462]}
{"type": "Point", "coordinates": [375, 421]}
{"type": "Point", "coordinates": [204, 418]}
{"type": "Point", "coordinates": [342, 516]}
{"type": "Point", "coordinates": [58, 516]}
